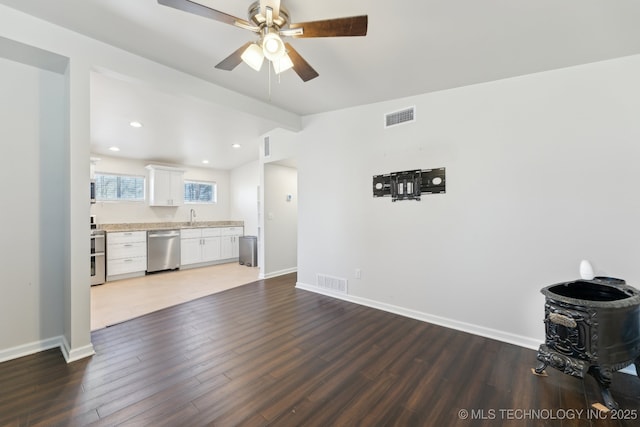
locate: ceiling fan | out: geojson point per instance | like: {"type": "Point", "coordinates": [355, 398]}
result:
{"type": "Point", "coordinates": [270, 21]}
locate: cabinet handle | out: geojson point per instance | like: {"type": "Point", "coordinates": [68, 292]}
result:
{"type": "Point", "coordinates": [128, 260]}
{"type": "Point", "coordinates": [128, 245]}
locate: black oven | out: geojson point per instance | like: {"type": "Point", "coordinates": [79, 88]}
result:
{"type": "Point", "coordinates": [93, 191]}
{"type": "Point", "coordinates": [98, 269]}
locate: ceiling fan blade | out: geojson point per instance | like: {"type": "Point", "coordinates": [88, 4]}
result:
{"type": "Point", "coordinates": [339, 27]}
{"type": "Point", "coordinates": [273, 4]}
{"type": "Point", "coordinates": [233, 60]}
{"type": "Point", "coordinates": [207, 12]}
{"type": "Point", "coordinates": [300, 66]}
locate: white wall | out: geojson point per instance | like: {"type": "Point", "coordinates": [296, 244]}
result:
{"type": "Point", "coordinates": [276, 244]}
{"type": "Point", "coordinates": [131, 212]}
{"type": "Point", "coordinates": [280, 220]}
{"type": "Point", "coordinates": [244, 182]}
{"type": "Point", "coordinates": [542, 171]}
{"type": "Point", "coordinates": [33, 185]}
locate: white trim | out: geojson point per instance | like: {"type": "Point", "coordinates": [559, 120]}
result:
{"type": "Point", "coordinates": [70, 355]}
{"type": "Point", "coordinates": [125, 276]}
{"type": "Point", "coordinates": [163, 167]}
{"type": "Point", "coordinates": [202, 264]}
{"type": "Point", "coordinates": [280, 272]}
{"type": "Point", "coordinates": [73, 354]}
{"type": "Point", "coordinates": [495, 334]}
{"type": "Point", "coordinates": [30, 348]}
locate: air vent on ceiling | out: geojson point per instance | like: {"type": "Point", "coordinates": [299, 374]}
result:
{"type": "Point", "coordinates": [267, 147]}
{"type": "Point", "coordinates": [333, 284]}
{"type": "Point", "coordinates": [399, 117]}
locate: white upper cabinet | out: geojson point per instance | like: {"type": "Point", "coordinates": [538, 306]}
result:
{"type": "Point", "coordinates": [166, 186]}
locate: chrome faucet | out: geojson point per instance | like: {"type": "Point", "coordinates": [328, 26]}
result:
{"type": "Point", "coordinates": [192, 214]}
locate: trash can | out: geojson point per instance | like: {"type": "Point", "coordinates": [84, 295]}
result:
{"type": "Point", "coordinates": [248, 251]}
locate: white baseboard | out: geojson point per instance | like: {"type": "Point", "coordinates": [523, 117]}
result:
{"type": "Point", "coordinates": [70, 355]}
{"type": "Point", "coordinates": [30, 348]}
{"type": "Point", "coordinates": [208, 263]}
{"type": "Point", "coordinates": [280, 272]}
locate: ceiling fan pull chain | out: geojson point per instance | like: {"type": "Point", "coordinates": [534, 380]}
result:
{"type": "Point", "coordinates": [279, 65]}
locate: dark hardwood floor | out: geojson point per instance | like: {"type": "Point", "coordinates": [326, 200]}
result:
{"type": "Point", "coordinates": [269, 354]}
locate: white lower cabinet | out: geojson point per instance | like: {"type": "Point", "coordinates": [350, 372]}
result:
{"type": "Point", "coordinates": [126, 254]}
{"type": "Point", "coordinates": [199, 245]}
{"type": "Point", "coordinates": [190, 250]}
{"type": "Point", "coordinates": [117, 267]}
{"type": "Point", "coordinates": [127, 250]}
{"type": "Point", "coordinates": [207, 245]}
{"type": "Point", "coordinates": [230, 247]}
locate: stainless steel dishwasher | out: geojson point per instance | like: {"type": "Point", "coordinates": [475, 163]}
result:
{"type": "Point", "coordinates": [163, 250]}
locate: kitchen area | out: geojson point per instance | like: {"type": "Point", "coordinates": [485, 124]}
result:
{"type": "Point", "coordinates": [175, 174]}
{"type": "Point", "coordinates": [161, 235]}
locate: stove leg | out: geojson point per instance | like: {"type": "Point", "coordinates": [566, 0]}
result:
{"type": "Point", "coordinates": [603, 376]}
{"type": "Point", "coordinates": [540, 367]}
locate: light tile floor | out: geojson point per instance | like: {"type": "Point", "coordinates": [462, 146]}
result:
{"type": "Point", "coordinates": [121, 300]}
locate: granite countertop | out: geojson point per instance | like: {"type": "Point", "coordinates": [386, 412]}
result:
{"type": "Point", "coordinates": [144, 226]}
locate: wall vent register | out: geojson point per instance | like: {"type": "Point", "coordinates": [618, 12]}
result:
{"type": "Point", "coordinates": [267, 147]}
{"type": "Point", "coordinates": [331, 283]}
{"type": "Point", "coordinates": [399, 117]}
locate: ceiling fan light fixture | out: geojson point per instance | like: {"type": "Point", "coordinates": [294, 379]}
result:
{"type": "Point", "coordinates": [282, 64]}
{"type": "Point", "coordinates": [253, 56]}
{"type": "Point", "coordinates": [272, 46]}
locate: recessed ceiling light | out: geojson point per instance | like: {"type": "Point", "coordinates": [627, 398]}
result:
{"type": "Point", "coordinates": [114, 149]}
{"type": "Point", "coordinates": [135, 124]}
{"type": "Point", "coordinates": [236, 145]}
{"type": "Point", "coordinates": [206, 162]}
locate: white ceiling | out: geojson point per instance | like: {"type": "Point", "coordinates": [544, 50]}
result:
{"type": "Point", "coordinates": [412, 47]}
{"type": "Point", "coordinates": [176, 128]}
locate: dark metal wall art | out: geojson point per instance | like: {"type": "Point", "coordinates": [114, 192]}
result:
{"type": "Point", "coordinates": [409, 185]}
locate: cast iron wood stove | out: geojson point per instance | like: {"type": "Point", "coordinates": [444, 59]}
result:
{"type": "Point", "coordinates": [592, 326]}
